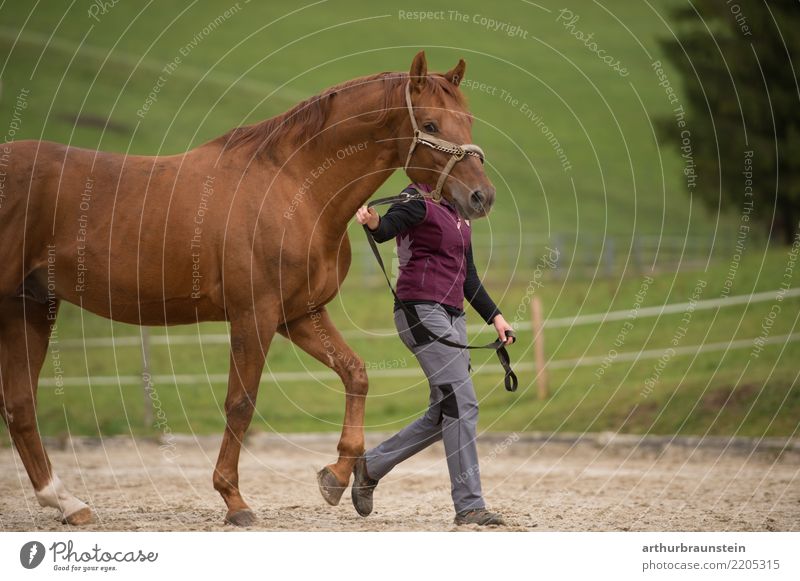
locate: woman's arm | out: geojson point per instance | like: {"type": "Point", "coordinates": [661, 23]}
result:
{"type": "Point", "coordinates": [480, 300]}
{"type": "Point", "coordinates": [476, 294]}
{"type": "Point", "coordinates": [400, 217]}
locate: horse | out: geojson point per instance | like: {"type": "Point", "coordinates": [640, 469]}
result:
{"type": "Point", "coordinates": [249, 228]}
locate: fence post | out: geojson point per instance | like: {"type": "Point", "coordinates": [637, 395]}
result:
{"type": "Point", "coordinates": [637, 254]}
{"type": "Point", "coordinates": [608, 257]}
{"type": "Point", "coordinates": [559, 246]}
{"type": "Point", "coordinates": [538, 347]}
{"type": "Point", "coordinates": [366, 268]}
{"type": "Point", "coordinates": [147, 378]}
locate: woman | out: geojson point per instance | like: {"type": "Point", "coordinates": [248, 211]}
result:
{"type": "Point", "coordinates": [436, 274]}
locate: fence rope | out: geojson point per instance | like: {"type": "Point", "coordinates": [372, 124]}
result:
{"type": "Point", "coordinates": [609, 316]}
{"type": "Point", "coordinates": [413, 371]}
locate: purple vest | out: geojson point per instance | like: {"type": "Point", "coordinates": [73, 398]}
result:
{"type": "Point", "coordinates": [432, 256]}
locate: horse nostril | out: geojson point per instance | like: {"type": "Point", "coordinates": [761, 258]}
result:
{"type": "Point", "coordinates": [478, 199]}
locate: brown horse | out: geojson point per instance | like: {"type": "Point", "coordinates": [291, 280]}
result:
{"type": "Point", "coordinates": [250, 228]}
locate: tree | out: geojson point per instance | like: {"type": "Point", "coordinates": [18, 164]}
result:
{"type": "Point", "coordinates": [740, 139]}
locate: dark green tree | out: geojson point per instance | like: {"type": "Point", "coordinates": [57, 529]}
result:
{"type": "Point", "coordinates": [739, 62]}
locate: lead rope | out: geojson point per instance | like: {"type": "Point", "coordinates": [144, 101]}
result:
{"type": "Point", "coordinates": [510, 379]}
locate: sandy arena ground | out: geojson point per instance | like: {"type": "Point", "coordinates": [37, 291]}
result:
{"type": "Point", "coordinates": [597, 484]}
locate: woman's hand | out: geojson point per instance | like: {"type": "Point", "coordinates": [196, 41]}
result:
{"type": "Point", "coordinates": [502, 326]}
{"type": "Point", "coordinates": [368, 216]}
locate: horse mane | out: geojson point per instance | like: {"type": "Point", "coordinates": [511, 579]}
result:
{"type": "Point", "coordinates": [306, 120]}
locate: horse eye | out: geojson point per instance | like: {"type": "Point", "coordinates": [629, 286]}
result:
{"type": "Point", "coordinates": [430, 127]}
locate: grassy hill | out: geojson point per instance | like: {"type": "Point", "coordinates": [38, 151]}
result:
{"type": "Point", "coordinates": [618, 206]}
{"type": "Point", "coordinates": [263, 57]}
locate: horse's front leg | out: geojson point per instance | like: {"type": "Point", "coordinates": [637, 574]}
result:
{"type": "Point", "coordinates": [251, 336]}
{"type": "Point", "coordinates": [316, 334]}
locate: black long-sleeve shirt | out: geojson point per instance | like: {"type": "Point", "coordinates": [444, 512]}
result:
{"type": "Point", "coordinates": [404, 215]}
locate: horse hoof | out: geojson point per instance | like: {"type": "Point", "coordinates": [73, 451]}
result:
{"type": "Point", "coordinates": [329, 487]}
{"type": "Point", "coordinates": [241, 518]}
{"type": "Point", "coordinates": [78, 518]}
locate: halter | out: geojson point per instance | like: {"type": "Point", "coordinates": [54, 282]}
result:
{"type": "Point", "coordinates": [457, 152]}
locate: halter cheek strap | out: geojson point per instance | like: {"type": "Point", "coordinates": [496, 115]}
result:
{"type": "Point", "coordinates": [457, 152]}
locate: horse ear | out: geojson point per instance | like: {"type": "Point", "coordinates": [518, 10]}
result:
{"type": "Point", "coordinates": [456, 75]}
{"type": "Point", "coordinates": [419, 71]}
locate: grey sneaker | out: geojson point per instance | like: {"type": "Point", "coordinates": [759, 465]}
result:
{"type": "Point", "coordinates": [363, 487]}
{"type": "Point", "coordinates": [479, 516]}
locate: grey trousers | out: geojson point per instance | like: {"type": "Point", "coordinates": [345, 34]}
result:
{"type": "Point", "coordinates": [452, 413]}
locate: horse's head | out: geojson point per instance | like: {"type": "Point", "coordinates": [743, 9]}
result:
{"type": "Point", "coordinates": [441, 152]}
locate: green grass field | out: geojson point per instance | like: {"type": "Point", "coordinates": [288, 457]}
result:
{"type": "Point", "coordinates": [86, 78]}
{"type": "Point", "coordinates": [718, 392]}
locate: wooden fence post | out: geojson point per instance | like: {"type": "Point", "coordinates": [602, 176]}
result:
{"type": "Point", "coordinates": [147, 379]}
{"type": "Point", "coordinates": [538, 347]}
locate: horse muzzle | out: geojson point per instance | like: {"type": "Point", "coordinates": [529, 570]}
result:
{"type": "Point", "coordinates": [473, 203]}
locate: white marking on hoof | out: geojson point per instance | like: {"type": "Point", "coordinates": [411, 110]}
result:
{"type": "Point", "coordinates": [56, 495]}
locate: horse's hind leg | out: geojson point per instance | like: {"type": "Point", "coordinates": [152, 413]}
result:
{"type": "Point", "coordinates": [251, 336]}
{"type": "Point", "coordinates": [24, 335]}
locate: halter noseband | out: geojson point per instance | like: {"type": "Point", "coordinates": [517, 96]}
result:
{"type": "Point", "coordinates": [457, 152]}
